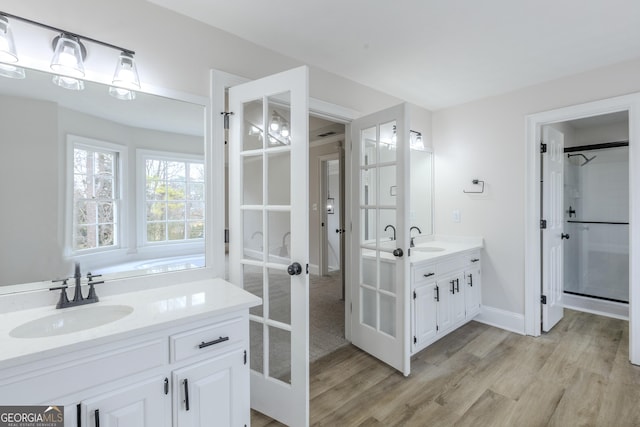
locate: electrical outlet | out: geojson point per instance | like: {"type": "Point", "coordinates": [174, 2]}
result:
{"type": "Point", "coordinates": [455, 215]}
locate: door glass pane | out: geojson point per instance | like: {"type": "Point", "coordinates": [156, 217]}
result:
{"type": "Point", "coordinates": [252, 180]}
{"type": "Point", "coordinates": [388, 195]}
{"type": "Point", "coordinates": [252, 135]}
{"type": "Point", "coordinates": [368, 185]}
{"type": "Point", "coordinates": [253, 234]}
{"type": "Point", "coordinates": [279, 296]}
{"type": "Point", "coordinates": [254, 283]}
{"type": "Point", "coordinates": [369, 143]}
{"type": "Point", "coordinates": [388, 230]}
{"type": "Point", "coordinates": [279, 237]}
{"type": "Point", "coordinates": [369, 270]}
{"type": "Point", "coordinates": [368, 224]}
{"type": "Point", "coordinates": [369, 307]}
{"type": "Point", "coordinates": [279, 178]}
{"type": "Point", "coordinates": [388, 314]}
{"type": "Point", "coordinates": [388, 140]}
{"type": "Point", "coordinates": [388, 275]}
{"type": "Point", "coordinates": [280, 354]}
{"type": "Point", "coordinates": [279, 118]}
{"type": "Point", "coordinates": [256, 337]}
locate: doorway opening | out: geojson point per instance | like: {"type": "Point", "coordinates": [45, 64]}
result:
{"type": "Point", "coordinates": [534, 224]}
{"type": "Point", "coordinates": [594, 214]}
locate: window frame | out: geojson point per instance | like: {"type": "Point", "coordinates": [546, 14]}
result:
{"type": "Point", "coordinates": [142, 155]}
{"type": "Point", "coordinates": [121, 177]}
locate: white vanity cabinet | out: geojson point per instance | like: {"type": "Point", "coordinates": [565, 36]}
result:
{"type": "Point", "coordinates": [446, 294]}
{"type": "Point", "coordinates": [142, 404]}
{"type": "Point", "coordinates": [180, 363]}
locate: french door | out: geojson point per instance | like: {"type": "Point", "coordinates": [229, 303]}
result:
{"type": "Point", "coordinates": [380, 236]}
{"type": "Point", "coordinates": [269, 231]}
{"type": "Point", "coordinates": [553, 235]}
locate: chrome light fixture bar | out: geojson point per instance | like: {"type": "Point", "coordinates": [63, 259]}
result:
{"type": "Point", "coordinates": [68, 59]}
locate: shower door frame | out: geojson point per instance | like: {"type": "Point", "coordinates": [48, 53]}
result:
{"type": "Point", "coordinates": [533, 241]}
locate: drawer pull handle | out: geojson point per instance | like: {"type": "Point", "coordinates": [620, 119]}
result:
{"type": "Point", "coordinates": [186, 394]}
{"type": "Point", "coordinates": [96, 414]}
{"type": "Point", "coordinates": [428, 274]}
{"type": "Point", "coordinates": [218, 341]}
{"type": "Point", "coordinates": [475, 260]}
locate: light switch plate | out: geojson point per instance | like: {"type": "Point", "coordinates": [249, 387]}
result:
{"type": "Point", "coordinates": [455, 215]}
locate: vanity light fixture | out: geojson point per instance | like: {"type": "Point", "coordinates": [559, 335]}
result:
{"type": "Point", "coordinates": [68, 59]}
{"type": "Point", "coordinates": [8, 53]}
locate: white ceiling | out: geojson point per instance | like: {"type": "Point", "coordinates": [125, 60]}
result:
{"type": "Point", "coordinates": [435, 53]}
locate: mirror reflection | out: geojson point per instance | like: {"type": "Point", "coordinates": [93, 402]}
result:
{"type": "Point", "coordinates": [118, 186]}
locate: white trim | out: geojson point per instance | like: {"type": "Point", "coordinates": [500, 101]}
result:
{"type": "Point", "coordinates": [534, 123]}
{"type": "Point", "coordinates": [503, 319]}
{"type": "Point", "coordinates": [617, 310]}
{"type": "Point", "coordinates": [122, 179]}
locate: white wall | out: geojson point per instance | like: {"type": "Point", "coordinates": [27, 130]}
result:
{"type": "Point", "coordinates": [486, 140]}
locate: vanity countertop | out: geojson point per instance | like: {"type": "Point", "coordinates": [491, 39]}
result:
{"type": "Point", "coordinates": [153, 309]}
{"type": "Point", "coordinates": [444, 248]}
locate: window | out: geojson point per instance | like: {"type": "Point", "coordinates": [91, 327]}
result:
{"type": "Point", "coordinates": [95, 198]}
{"type": "Point", "coordinates": [174, 198]}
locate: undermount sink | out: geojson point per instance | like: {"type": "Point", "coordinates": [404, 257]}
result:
{"type": "Point", "coordinates": [71, 320]}
{"type": "Point", "coordinates": [428, 249]}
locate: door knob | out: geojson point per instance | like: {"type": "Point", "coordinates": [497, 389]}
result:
{"type": "Point", "coordinates": [294, 269]}
{"type": "Point", "coordinates": [564, 236]}
{"type": "Point", "coordinates": [398, 252]}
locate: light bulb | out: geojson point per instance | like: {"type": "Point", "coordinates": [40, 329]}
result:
{"type": "Point", "coordinates": [275, 123]}
{"type": "Point", "coordinates": [285, 131]}
{"type": "Point", "coordinates": [68, 56]}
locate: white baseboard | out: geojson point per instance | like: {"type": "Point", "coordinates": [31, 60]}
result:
{"type": "Point", "coordinates": [314, 269]}
{"type": "Point", "coordinates": [507, 320]}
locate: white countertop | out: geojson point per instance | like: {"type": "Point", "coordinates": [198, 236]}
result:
{"type": "Point", "coordinates": [152, 309]}
{"type": "Point", "coordinates": [450, 247]}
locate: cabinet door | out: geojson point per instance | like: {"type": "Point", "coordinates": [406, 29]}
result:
{"type": "Point", "coordinates": [472, 293]}
{"type": "Point", "coordinates": [425, 314]}
{"type": "Point", "coordinates": [143, 404]}
{"type": "Point", "coordinates": [457, 299]}
{"type": "Point", "coordinates": [213, 392]}
{"type": "Point", "coordinates": [445, 312]}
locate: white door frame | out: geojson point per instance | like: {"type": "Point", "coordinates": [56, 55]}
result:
{"type": "Point", "coordinates": [323, 256]}
{"type": "Point", "coordinates": [532, 203]}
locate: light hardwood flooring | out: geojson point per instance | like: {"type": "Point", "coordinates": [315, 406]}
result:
{"type": "Point", "coordinates": [576, 375]}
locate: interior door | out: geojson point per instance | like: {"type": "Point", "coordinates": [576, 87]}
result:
{"type": "Point", "coordinates": [380, 322]}
{"type": "Point", "coordinates": [553, 235]}
{"type": "Point", "coordinates": [269, 231]}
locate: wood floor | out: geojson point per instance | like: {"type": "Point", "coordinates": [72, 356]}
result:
{"type": "Point", "coordinates": [576, 375]}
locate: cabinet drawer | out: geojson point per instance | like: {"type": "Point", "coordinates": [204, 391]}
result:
{"type": "Point", "coordinates": [424, 273]}
{"type": "Point", "coordinates": [206, 340]}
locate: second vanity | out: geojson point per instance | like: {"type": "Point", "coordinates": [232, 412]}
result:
{"type": "Point", "coordinates": [168, 350]}
{"type": "Point", "coordinates": [445, 288]}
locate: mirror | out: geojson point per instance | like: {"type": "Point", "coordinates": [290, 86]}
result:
{"type": "Point", "coordinates": [115, 185]}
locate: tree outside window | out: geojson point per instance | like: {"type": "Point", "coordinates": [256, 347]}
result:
{"type": "Point", "coordinates": [174, 200]}
{"type": "Point", "coordinates": [95, 201]}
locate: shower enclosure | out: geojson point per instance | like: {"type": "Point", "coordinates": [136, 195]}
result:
{"type": "Point", "coordinates": [596, 197]}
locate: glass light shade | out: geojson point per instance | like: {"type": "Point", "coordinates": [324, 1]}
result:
{"type": "Point", "coordinates": [7, 46]}
{"type": "Point", "coordinates": [126, 74]}
{"type": "Point", "coordinates": [275, 123]}
{"type": "Point", "coordinates": [123, 94]}
{"type": "Point", "coordinates": [11, 71]}
{"type": "Point", "coordinates": [285, 131]}
{"type": "Point", "coordinates": [68, 57]}
{"type": "Point", "coordinates": [68, 83]}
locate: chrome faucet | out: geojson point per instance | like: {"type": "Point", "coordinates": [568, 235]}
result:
{"type": "Point", "coordinates": [92, 297]}
{"type": "Point", "coordinates": [412, 245]}
{"type": "Point", "coordinates": [394, 231]}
